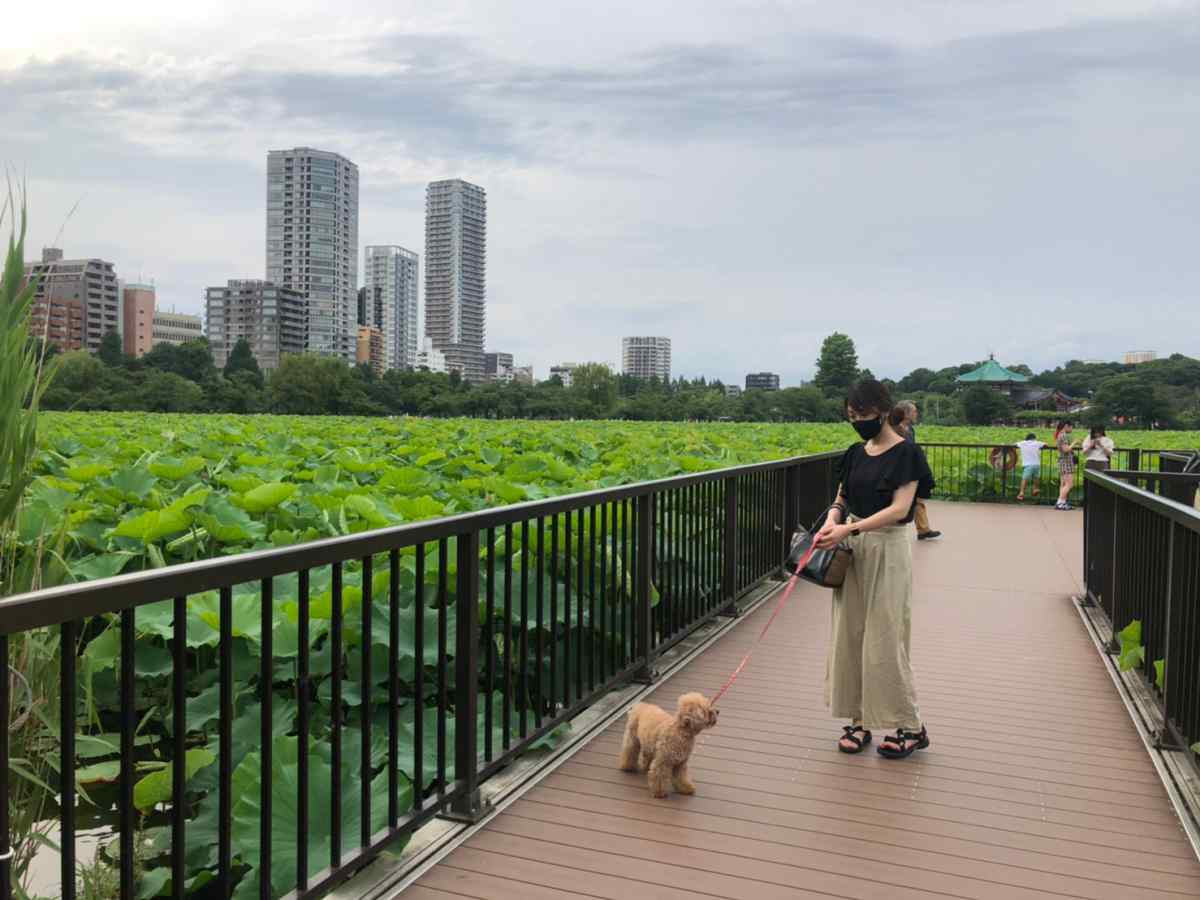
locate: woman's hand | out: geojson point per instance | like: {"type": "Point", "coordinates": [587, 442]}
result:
{"type": "Point", "coordinates": [831, 535]}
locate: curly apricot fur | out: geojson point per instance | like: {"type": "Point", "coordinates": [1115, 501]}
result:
{"type": "Point", "coordinates": [662, 743]}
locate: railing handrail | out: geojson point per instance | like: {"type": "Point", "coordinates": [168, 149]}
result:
{"type": "Point", "coordinates": [55, 605]}
{"type": "Point", "coordinates": [1047, 447]}
{"type": "Point", "coordinates": [1177, 512]}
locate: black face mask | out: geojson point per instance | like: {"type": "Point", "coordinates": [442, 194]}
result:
{"type": "Point", "coordinates": [869, 428]}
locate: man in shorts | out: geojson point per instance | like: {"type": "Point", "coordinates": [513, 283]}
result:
{"type": "Point", "coordinates": [921, 514]}
{"type": "Point", "coordinates": [1031, 463]}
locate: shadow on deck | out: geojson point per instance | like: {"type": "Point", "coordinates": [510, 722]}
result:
{"type": "Point", "coordinates": [1036, 783]}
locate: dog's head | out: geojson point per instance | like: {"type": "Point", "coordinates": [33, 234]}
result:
{"type": "Point", "coordinates": [696, 713]}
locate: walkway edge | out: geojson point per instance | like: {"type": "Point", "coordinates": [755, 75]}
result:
{"type": "Point", "coordinates": [400, 872]}
{"type": "Point", "coordinates": [1173, 767]}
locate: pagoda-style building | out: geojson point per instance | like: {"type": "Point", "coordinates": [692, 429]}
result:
{"type": "Point", "coordinates": [1016, 387]}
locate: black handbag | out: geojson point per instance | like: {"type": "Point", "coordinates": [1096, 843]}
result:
{"type": "Point", "coordinates": [826, 568]}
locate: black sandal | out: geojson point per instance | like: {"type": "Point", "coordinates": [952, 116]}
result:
{"type": "Point", "coordinates": [860, 743]}
{"type": "Point", "coordinates": [907, 742]}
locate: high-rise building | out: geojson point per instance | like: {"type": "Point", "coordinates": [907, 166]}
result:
{"type": "Point", "coordinates": [1137, 357]}
{"type": "Point", "coordinates": [76, 301]}
{"type": "Point", "coordinates": [523, 375]}
{"type": "Point", "coordinates": [646, 357]}
{"type": "Point", "coordinates": [176, 328]}
{"type": "Point", "coordinates": [455, 273]}
{"type": "Point", "coordinates": [390, 274]}
{"type": "Point", "coordinates": [268, 317]}
{"type": "Point", "coordinates": [497, 366]}
{"type": "Point", "coordinates": [371, 348]}
{"type": "Point", "coordinates": [564, 371]}
{"type": "Point", "coordinates": [312, 242]}
{"type": "Point", "coordinates": [430, 359]}
{"type": "Point", "coordinates": [762, 381]}
{"type": "Point", "coordinates": [137, 312]}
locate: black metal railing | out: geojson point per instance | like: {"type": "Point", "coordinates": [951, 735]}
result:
{"type": "Point", "coordinates": [993, 473]}
{"type": "Point", "coordinates": [1179, 490]}
{"type": "Point", "coordinates": [270, 721]}
{"type": "Point", "coordinates": [1142, 563]}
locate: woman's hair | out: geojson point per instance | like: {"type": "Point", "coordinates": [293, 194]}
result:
{"type": "Point", "coordinates": [1097, 431]}
{"type": "Point", "coordinates": [907, 407]}
{"type": "Point", "coordinates": [869, 396]}
{"type": "Point", "coordinates": [1031, 436]}
{"type": "Point", "coordinates": [1063, 425]}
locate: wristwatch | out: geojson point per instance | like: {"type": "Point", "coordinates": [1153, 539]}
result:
{"type": "Point", "coordinates": [855, 532]}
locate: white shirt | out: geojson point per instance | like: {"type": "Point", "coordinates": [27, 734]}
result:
{"type": "Point", "coordinates": [1098, 450]}
{"type": "Point", "coordinates": [1031, 452]}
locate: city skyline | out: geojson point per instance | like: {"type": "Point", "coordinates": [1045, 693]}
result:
{"type": "Point", "coordinates": [865, 171]}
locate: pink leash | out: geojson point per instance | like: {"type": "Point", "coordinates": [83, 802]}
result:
{"type": "Point", "coordinates": [787, 592]}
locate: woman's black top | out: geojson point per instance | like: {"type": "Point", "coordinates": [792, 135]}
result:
{"type": "Point", "coordinates": [868, 482]}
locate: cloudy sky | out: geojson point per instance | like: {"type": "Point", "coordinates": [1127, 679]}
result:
{"type": "Point", "coordinates": [938, 179]}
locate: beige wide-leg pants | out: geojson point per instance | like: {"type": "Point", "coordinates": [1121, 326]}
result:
{"type": "Point", "coordinates": [868, 677]}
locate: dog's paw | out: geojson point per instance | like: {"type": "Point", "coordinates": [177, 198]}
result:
{"type": "Point", "coordinates": [687, 788]}
{"type": "Point", "coordinates": [659, 795]}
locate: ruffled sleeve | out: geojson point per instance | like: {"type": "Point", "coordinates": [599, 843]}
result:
{"type": "Point", "coordinates": [909, 465]}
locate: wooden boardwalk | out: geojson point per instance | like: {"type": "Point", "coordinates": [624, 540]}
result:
{"type": "Point", "coordinates": [1036, 784]}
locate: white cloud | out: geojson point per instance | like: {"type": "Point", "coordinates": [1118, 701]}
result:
{"type": "Point", "coordinates": [1014, 177]}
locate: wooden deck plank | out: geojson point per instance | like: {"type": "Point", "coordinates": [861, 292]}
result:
{"type": "Point", "coordinates": [1036, 784]}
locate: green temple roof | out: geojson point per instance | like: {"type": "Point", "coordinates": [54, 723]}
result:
{"type": "Point", "coordinates": [992, 372]}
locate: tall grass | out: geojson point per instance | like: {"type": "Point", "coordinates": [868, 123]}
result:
{"type": "Point", "coordinates": [33, 656]}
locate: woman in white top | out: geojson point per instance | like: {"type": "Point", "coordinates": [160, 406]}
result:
{"type": "Point", "coordinates": [1097, 449]}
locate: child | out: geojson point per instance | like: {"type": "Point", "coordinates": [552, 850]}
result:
{"type": "Point", "coordinates": [1031, 462]}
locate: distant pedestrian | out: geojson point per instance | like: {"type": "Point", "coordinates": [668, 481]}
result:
{"type": "Point", "coordinates": [1097, 449]}
{"type": "Point", "coordinates": [1031, 463]}
{"type": "Point", "coordinates": [1066, 463]}
{"type": "Point", "coordinates": [908, 428]}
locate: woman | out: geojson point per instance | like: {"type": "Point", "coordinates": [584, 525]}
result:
{"type": "Point", "coordinates": [1097, 449]}
{"type": "Point", "coordinates": [868, 675]}
{"type": "Point", "coordinates": [1066, 464]}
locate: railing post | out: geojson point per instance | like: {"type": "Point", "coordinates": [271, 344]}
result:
{"type": "Point", "coordinates": [468, 807]}
{"type": "Point", "coordinates": [791, 502]}
{"type": "Point", "coordinates": [730, 547]}
{"type": "Point", "coordinates": [1089, 515]}
{"type": "Point", "coordinates": [644, 524]}
{"type": "Point", "coordinates": [1163, 738]}
{"type": "Point", "coordinates": [1135, 460]}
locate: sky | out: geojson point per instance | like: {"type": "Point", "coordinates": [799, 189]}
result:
{"type": "Point", "coordinates": [939, 180]}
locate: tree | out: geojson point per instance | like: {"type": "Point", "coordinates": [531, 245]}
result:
{"type": "Point", "coordinates": [916, 381]}
{"type": "Point", "coordinates": [167, 392]}
{"type": "Point", "coordinates": [112, 350]}
{"type": "Point", "coordinates": [241, 359]}
{"type": "Point", "coordinates": [596, 387]}
{"type": "Point", "coordinates": [191, 360]}
{"type": "Point", "coordinates": [983, 406]}
{"type": "Point", "coordinates": [837, 366]}
{"type": "Point", "coordinates": [316, 385]}
{"type": "Point", "coordinates": [1134, 396]}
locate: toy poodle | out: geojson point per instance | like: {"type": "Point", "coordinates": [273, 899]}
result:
{"type": "Point", "coordinates": [661, 743]}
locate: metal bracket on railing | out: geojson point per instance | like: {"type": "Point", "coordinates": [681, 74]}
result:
{"type": "Point", "coordinates": [732, 611]}
{"type": "Point", "coordinates": [469, 809]}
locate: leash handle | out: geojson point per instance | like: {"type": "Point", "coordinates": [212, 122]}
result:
{"type": "Point", "coordinates": [787, 592]}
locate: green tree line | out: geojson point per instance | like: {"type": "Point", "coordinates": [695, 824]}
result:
{"type": "Point", "coordinates": [184, 378]}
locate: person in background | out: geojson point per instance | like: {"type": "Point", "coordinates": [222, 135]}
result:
{"type": "Point", "coordinates": [909, 429]}
{"type": "Point", "coordinates": [868, 674]}
{"type": "Point", "coordinates": [1031, 463]}
{"type": "Point", "coordinates": [1066, 464]}
{"type": "Point", "coordinates": [1097, 449]}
